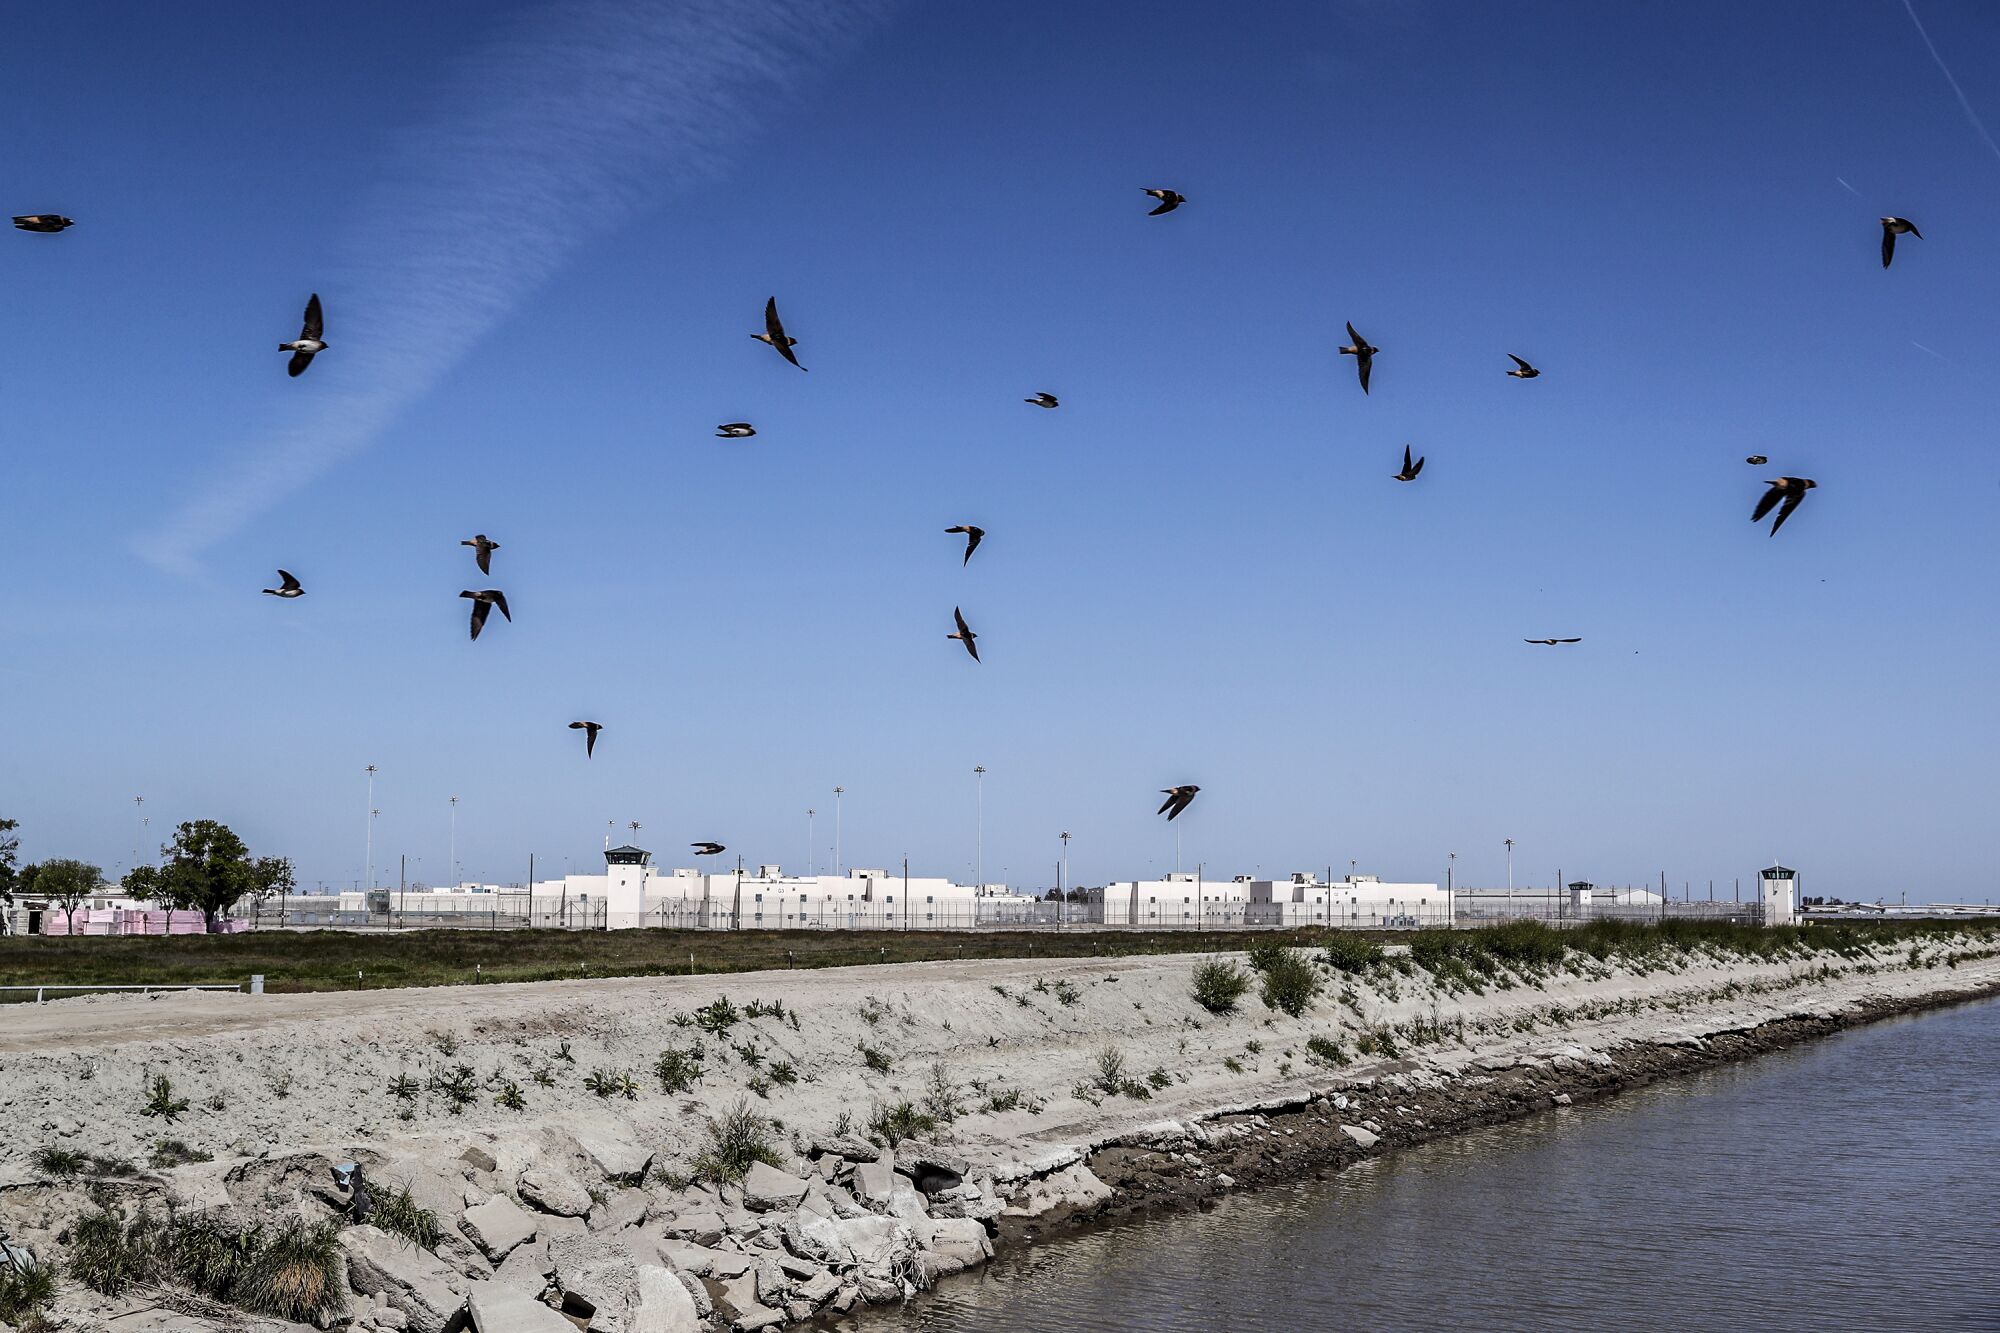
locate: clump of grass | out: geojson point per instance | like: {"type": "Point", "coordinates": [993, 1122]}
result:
{"type": "Point", "coordinates": [53, 1161]}
{"type": "Point", "coordinates": [1345, 951]}
{"type": "Point", "coordinates": [25, 1293]}
{"type": "Point", "coordinates": [172, 1152]}
{"type": "Point", "coordinates": [751, 1056]}
{"type": "Point", "coordinates": [446, 1043]}
{"type": "Point", "coordinates": [758, 1084]}
{"type": "Point", "coordinates": [1325, 1051]}
{"type": "Point", "coordinates": [543, 1076]}
{"type": "Point", "coordinates": [1232, 1064]}
{"type": "Point", "coordinates": [1160, 1078]}
{"type": "Point", "coordinates": [902, 1120]}
{"type": "Point", "coordinates": [1290, 983]}
{"type": "Point", "coordinates": [509, 1097]}
{"type": "Point", "coordinates": [873, 1011]}
{"type": "Point", "coordinates": [1219, 984]}
{"type": "Point", "coordinates": [677, 1069]}
{"type": "Point", "coordinates": [876, 1058]}
{"type": "Point", "coordinates": [717, 1016]}
{"type": "Point", "coordinates": [297, 1276]}
{"type": "Point", "coordinates": [108, 1254]}
{"type": "Point", "coordinates": [562, 1053]}
{"type": "Point", "coordinates": [784, 1072]}
{"type": "Point", "coordinates": [764, 1009]}
{"type": "Point", "coordinates": [737, 1140]}
{"type": "Point", "coordinates": [160, 1101]}
{"type": "Point", "coordinates": [612, 1083]}
{"type": "Point", "coordinates": [1066, 993]}
{"type": "Point", "coordinates": [400, 1215]}
{"type": "Point", "coordinates": [404, 1088]}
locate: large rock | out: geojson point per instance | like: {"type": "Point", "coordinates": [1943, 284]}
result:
{"type": "Point", "coordinates": [406, 1278]}
{"type": "Point", "coordinates": [702, 1227]}
{"type": "Point", "coordinates": [955, 1244]}
{"type": "Point", "coordinates": [664, 1306]}
{"type": "Point", "coordinates": [850, 1146]}
{"type": "Point", "coordinates": [619, 1158]}
{"type": "Point", "coordinates": [905, 1201]}
{"type": "Point", "coordinates": [818, 1289]}
{"type": "Point", "coordinates": [501, 1309]}
{"type": "Point", "coordinates": [1075, 1187]}
{"type": "Point", "coordinates": [736, 1302]}
{"type": "Point", "coordinates": [874, 1180]}
{"type": "Point", "coordinates": [597, 1272]}
{"type": "Point", "coordinates": [766, 1187]}
{"type": "Point", "coordinates": [554, 1191]}
{"type": "Point", "coordinates": [626, 1208]}
{"type": "Point", "coordinates": [497, 1226]}
{"type": "Point", "coordinates": [527, 1269]}
{"type": "Point", "coordinates": [1365, 1138]}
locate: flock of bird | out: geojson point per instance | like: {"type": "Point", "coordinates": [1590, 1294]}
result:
{"type": "Point", "coordinates": [1783, 494]}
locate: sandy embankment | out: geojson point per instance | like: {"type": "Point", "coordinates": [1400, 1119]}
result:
{"type": "Point", "coordinates": [582, 1194]}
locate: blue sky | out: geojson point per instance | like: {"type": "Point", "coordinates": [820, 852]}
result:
{"type": "Point", "coordinates": [1197, 569]}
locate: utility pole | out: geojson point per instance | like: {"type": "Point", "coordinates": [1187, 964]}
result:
{"type": "Point", "coordinates": [372, 812]}
{"type": "Point", "coordinates": [809, 841]}
{"type": "Point", "coordinates": [456, 878]}
{"type": "Point", "coordinates": [139, 812]}
{"type": "Point", "coordinates": [1198, 912]}
{"type": "Point", "coordinates": [402, 885]}
{"type": "Point", "coordinates": [1510, 877]}
{"type": "Point", "coordinates": [1561, 892]}
{"type": "Point", "coordinates": [979, 833]}
{"type": "Point", "coordinates": [836, 828]}
{"type": "Point", "coordinates": [906, 897]}
{"type": "Point", "coordinates": [1450, 916]}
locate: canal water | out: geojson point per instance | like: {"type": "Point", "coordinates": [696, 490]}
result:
{"type": "Point", "coordinates": [1853, 1183]}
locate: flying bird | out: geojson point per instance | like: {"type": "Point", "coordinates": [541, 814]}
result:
{"type": "Point", "coordinates": [1522, 370]}
{"type": "Point", "coordinates": [1553, 642]}
{"type": "Point", "coordinates": [483, 603]}
{"type": "Point", "coordinates": [700, 848]}
{"type": "Point", "coordinates": [973, 536]}
{"type": "Point", "coordinates": [45, 222]}
{"type": "Point", "coordinates": [735, 430]}
{"type": "Point", "coordinates": [1363, 354]}
{"type": "Point", "coordinates": [1756, 460]}
{"type": "Point", "coordinates": [589, 730]}
{"type": "Point", "coordinates": [1169, 201]}
{"type": "Point", "coordinates": [1178, 799]}
{"type": "Point", "coordinates": [1043, 400]}
{"type": "Point", "coordinates": [288, 586]}
{"type": "Point", "coordinates": [1891, 229]}
{"type": "Point", "coordinates": [309, 343]}
{"type": "Point", "coordinates": [1410, 470]}
{"type": "Point", "coordinates": [774, 333]}
{"type": "Point", "coordinates": [483, 548]}
{"type": "Point", "coordinates": [965, 634]}
{"type": "Point", "coordinates": [1792, 490]}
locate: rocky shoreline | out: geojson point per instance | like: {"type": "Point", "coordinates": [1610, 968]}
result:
{"type": "Point", "coordinates": [898, 1123]}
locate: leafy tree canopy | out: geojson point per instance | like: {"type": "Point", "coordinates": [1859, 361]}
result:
{"type": "Point", "coordinates": [66, 883]}
{"type": "Point", "coordinates": [206, 867]}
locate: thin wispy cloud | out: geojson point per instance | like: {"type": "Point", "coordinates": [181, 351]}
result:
{"type": "Point", "coordinates": [1964, 103]}
{"type": "Point", "coordinates": [553, 133]}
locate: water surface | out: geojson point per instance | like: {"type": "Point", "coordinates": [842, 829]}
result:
{"type": "Point", "coordinates": [1853, 1183]}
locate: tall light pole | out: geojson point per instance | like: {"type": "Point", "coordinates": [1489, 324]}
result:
{"type": "Point", "coordinates": [809, 841]}
{"type": "Point", "coordinates": [1062, 880]}
{"type": "Point", "coordinates": [979, 826]}
{"type": "Point", "coordinates": [1510, 876]}
{"type": "Point", "coordinates": [456, 878]}
{"type": "Point", "coordinates": [1451, 864]}
{"type": "Point", "coordinates": [368, 867]}
{"type": "Point", "coordinates": [836, 828]}
{"type": "Point", "coordinates": [139, 813]}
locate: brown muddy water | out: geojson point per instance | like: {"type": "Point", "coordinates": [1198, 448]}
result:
{"type": "Point", "coordinates": [1850, 1183]}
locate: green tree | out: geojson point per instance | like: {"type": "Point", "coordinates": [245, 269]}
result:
{"type": "Point", "coordinates": [206, 867]}
{"type": "Point", "coordinates": [274, 876]}
{"type": "Point", "coordinates": [10, 848]}
{"type": "Point", "coordinates": [145, 884]}
{"type": "Point", "coordinates": [66, 883]}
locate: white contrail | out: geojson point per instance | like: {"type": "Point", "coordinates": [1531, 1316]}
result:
{"type": "Point", "coordinates": [1849, 188]}
{"type": "Point", "coordinates": [551, 134]}
{"type": "Point", "coordinates": [1944, 69]}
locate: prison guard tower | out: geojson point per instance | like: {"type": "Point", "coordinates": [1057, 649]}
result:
{"type": "Point", "coordinates": [1777, 890]}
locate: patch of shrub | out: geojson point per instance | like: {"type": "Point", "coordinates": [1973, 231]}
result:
{"type": "Point", "coordinates": [25, 1293]}
{"type": "Point", "coordinates": [903, 1120]}
{"type": "Point", "coordinates": [400, 1215]}
{"type": "Point", "coordinates": [717, 1016]}
{"type": "Point", "coordinates": [1290, 983]}
{"type": "Point", "coordinates": [737, 1140]}
{"type": "Point", "coordinates": [1325, 1051]}
{"type": "Point", "coordinates": [1263, 952]}
{"type": "Point", "coordinates": [52, 1161]}
{"type": "Point", "coordinates": [612, 1083]}
{"type": "Point", "coordinates": [1347, 952]}
{"type": "Point", "coordinates": [677, 1069]}
{"type": "Point", "coordinates": [172, 1152]}
{"type": "Point", "coordinates": [876, 1058]}
{"type": "Point", "coordinates": [1219, 984]}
